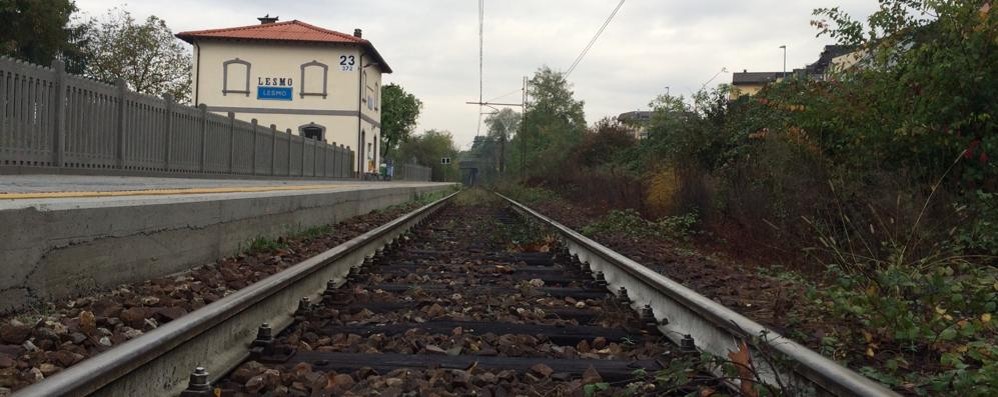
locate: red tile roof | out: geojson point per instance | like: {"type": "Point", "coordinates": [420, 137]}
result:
{"type": "Point", "coordinates": [289, 31]}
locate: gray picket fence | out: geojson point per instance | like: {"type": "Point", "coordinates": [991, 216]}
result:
{"type": "Point", "coordinates": [49, 118]}
{"type": "Point", "coordinates": [413, 172]}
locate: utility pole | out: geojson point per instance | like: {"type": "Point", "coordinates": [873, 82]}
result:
{"type": "Point", "coordinates": [523, 132]}
{"type": "Point", "coordinates": [522, 105]}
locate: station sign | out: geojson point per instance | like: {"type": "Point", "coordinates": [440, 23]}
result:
{"type": "Point", "coordinates": [274, 93]}
{"type": "Point", "coordinates": [275, 89]}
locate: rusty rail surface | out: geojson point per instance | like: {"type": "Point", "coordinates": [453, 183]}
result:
{"type": "Point", "coordinates": [713, 327]}
{"type": "Point", "coordinates": [216, 336]}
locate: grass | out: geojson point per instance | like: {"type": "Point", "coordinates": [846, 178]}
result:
{"type": "Point", "coordinates": [525, 194]}
{"type": "Point", "coordinates": [268, 244]}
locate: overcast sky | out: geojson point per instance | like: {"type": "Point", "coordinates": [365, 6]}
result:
{"type": "Point", "coordinates": [433, 44]}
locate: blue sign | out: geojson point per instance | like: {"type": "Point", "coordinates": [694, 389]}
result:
{"type": "Point", "coordinates": [274, 93]}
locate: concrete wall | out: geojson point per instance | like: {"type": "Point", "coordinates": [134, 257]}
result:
{"type": "Point", "coordinates": [64, 249]}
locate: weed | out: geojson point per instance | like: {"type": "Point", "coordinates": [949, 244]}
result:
{"type": "Point", "coordinates": [922, 312]}
{"type": "Point", "coordinates": [265, 244]}
{"type": "Point", "coordinates": [629, 223]}
{"type": "Point", "coordinates": [527, 195]}
{"type": "Point", "coordinates": [931, 329]}
{"type": "Point", "coordinates": [978, 230]}
{"type": "Point", "coordinates": [474, 197]}
{"type": "Point", "coordinates": [526, 236]}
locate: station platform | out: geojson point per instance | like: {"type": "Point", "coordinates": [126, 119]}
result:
{"type": "Point", "coordinates": [63, 235]}
{"type": "Point", "coordinates": [19, 191]}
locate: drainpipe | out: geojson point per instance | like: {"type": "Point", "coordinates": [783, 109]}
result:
{"type": "Point", "coordinates": [197, 74]}
{"type": "Point", "coordinates": [360, 112]}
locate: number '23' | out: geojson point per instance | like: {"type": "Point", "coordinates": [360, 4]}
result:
{"type": "Point", "coordinates": [346, 60]}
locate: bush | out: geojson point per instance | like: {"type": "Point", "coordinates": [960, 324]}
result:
{"type": "Point", "coordinates": [629, 223]}
{"type": "Point", "coordinates": [930, 327]}
{"type": "Point", "coordinates": [978, 230]}
{"type": "Point", "coordinates": [663, 186]}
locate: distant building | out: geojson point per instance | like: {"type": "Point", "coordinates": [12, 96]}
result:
{"type": "Point", "coordinates": [321, 83]}
{"type": "Point", "coordinates": [749, 83]}
{"type": "Point", "coordinates": [820, 68]}
{"type": "Point", "coordinates": [639, 120]}
{"type": "Point", "coordinates": [847, 61]}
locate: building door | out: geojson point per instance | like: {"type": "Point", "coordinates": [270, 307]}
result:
{"type": "Point", "coordinates": [360, 152]}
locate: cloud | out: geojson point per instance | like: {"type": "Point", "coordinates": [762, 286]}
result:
{"type": "Point", "coordinates": [433, 44]}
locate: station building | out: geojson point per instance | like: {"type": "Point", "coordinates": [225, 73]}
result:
{"type": "Point", "coordinates": [320, 83]}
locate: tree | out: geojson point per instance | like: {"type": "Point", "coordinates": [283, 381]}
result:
{"type": "Point", "coordinates": [502, 126]}
{"type": "Point", "coordinates": [925, 92]}
{"type": "Point", "coordinates": [554, 121]}
{"type": "Point", "coordinates": [399, 111]}
{"type": "Point", "coordinates": [147, 56]}
{"type": "Point", "coordinates": [427, 149]}
{"type": "Point", "coordinates": [40, 31]}
{"type": "Point", "coordinates": [603, 144]}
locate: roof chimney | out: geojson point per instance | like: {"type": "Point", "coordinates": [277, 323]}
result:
{"type": "Point", "coordinates": [358, 33]}
{"type": "Point", "coordinates": [267, 19]}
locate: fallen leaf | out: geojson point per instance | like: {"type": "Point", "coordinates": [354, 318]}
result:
{"type": "Point", "coordinates": [743, 362]}
{"type": "Point", "coordinates": [591, 376]}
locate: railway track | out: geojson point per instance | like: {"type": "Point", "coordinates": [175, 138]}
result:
{"type": "Point", "coordinates": [437, 302]}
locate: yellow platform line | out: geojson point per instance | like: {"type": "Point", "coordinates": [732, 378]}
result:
{"type": "Point", "coordinates": [164, 192]}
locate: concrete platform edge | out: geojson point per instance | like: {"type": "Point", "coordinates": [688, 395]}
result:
{"type": "Point", "coordinates": [52, 254]}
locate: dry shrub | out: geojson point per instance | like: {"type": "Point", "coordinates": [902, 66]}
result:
{"type": "Point", "coordinates": [695, 191]}
{"type": "Point", "coordinates": [660, 197]}
{"type": "Point", "coordinates": [763, 199]}
{"type": "Point", "coordinates": [596, 189]}
{"type": "Point", "coordinates": [772, 204]}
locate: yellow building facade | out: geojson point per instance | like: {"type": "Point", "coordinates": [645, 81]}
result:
{"type": "Point", "coordinates": [320, 83]}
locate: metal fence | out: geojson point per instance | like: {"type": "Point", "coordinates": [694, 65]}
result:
{"type": "Point", "coordinates": [412, 172]}
{"type": "Point", "coordinates": [49, 118]}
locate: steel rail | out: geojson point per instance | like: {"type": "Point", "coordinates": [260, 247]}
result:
{"type": "Point", "coordinates": [714, 328]}
{"type": "Point", "coordinates": [218, 335]}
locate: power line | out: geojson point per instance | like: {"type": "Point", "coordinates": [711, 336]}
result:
{"type": "Point", "coordinates": [481, 61]}
{"type": "Point", "coordinates": [505, 95]}
{"type": "Point", "coordinates": [593, 41]}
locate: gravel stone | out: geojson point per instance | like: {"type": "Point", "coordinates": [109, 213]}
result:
{"type": "Point", "coordinates": [14, 334]}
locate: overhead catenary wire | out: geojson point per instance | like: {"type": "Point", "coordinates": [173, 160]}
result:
{"type": "Point", "coordinates": [481, 62]}
{"type": "Point", "coordinates": [516, 91]}
{"type": "Point", "coordinates": [593, 41]}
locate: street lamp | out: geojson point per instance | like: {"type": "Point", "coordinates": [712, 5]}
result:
{"type": "Point", "coordinates": [784, 47]}
{"type": "Point", "coordinates": [666, 90]}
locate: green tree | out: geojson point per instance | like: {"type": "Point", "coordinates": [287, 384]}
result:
{"type": "Point", "coordinates": [502, 126]}
{"type": "Point", "coordinates": [399, 112]}
{"type": "Point", "coordinates": [553, 123]}
{"type": "Point", "coordinates": [926, 90]}
{"type": "Point", "coordinates": [603, 144]}
{"type": "Point", "coordinates": [40, 31]}
{"type": "Point", "coordinates": [427, 149]}
{"type": "Point", "coordinates": [146, 55]}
